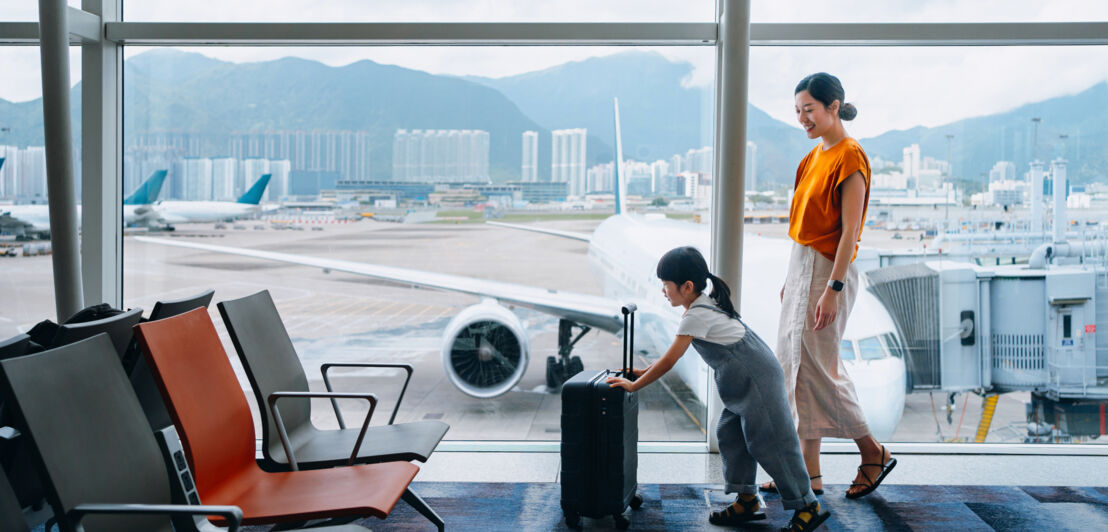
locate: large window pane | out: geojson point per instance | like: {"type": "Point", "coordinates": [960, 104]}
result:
{"type": "Point", "coordinates": [421, 11]}
{"type": "Point", "coordinates": [951, 134]}
{"type": "Point", "coordinates": [396, 157]}
{"type": "Point", "coordinates": [26, 270]}
{"type": "Point", "coordinates": [817, 11]}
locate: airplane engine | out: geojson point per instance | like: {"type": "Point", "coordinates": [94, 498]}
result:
{"type": "Point", "coordinates": [485, 350]}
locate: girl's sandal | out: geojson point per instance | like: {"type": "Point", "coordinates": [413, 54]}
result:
{"type": "Point", "coordinates": [739, 512]}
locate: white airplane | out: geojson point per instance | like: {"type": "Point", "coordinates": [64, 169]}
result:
{"type": "Point", "coordinates": [485, 346]}
{"type": "Point", "coordinates": [21, 220]}
{"type": "Point", "coordinates": [174, 212]}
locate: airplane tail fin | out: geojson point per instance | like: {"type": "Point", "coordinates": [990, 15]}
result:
{"type": "Point", "coordinates": [254, 195]}
{"type": "Point", "coordinates": [148, 191]}
{"type": "Point", "coordinates": [620, 184]}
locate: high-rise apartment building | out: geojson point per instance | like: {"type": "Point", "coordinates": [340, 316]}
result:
{"type": "Point", "coordinates": [567, 160]}
{"type": "Point", "coordinates": [340, 151]}
{"type": "Point", "coordinates": [530, 169]}
{"type": "Point", "coordinates": [278, 181]}
{"type": "Point", "coordinates": [658, 171]}
{"type": "Point", "coordinates": [911, 165]}
{"type": "Point", "coordinates": [197, 179]}
{"type": "Point", "coordinates": [699, 161]}
{"type": "Point", "coordinates": [441, 155]}
{"type": "Point", "coordinates": [223, 178]}
{"type": "Point", "coordinates": [31, 181]}
{"type": "Point", "coordinates": [249, 172]}
{"type": "Point", "coordinates": [1002, 171]}
{"type": "Point", "coordinates": [601, 178]}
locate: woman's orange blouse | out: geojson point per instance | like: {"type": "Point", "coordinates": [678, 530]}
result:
{"type": "Point", "coordinates": [815, 218]}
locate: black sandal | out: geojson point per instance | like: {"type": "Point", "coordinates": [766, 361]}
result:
{"type": "Point", "coordinates": [773, 488]}
{"type": "Point", "coordinates": [739, 512]}
{"type": "Point", "coordinates": [870, 484]}
{"type": "Point", "coordinates": [807, 518]}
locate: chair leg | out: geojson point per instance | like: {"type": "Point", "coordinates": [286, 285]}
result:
{"type": "Point", "coordinates": [420, 506]}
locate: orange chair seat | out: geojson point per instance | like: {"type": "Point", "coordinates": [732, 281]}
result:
{"type": "Point", "coordinates": [209, 408]}
{"type": "Point", "coordinates": [315, 494]}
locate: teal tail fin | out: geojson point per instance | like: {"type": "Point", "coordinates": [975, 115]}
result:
{"type": "Point", "coordinates": [254, 195]}
{"type": "Point", "coordinates": [148, 191]}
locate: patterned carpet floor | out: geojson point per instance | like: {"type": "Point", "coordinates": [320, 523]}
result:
{"type": "Point", "coordinates": [488, 507]}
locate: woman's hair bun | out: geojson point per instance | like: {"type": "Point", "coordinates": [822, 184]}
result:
{"type": "Point", "coordinates": [848, 111]}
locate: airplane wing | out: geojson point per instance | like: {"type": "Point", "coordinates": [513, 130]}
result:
{"type": "Point", "coordinates": [594, 311]}
{"type": "Point", "coordinates": [584, 237]}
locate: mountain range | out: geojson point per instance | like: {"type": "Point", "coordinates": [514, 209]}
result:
{"type": "Point", "coordinates": [170, 90]}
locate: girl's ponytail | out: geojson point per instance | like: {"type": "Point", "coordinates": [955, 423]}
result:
{"type": "Point", "coordinates": [721, 294]}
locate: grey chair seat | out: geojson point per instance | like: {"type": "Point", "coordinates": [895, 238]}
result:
{"type": "Point", "coordinates": [387, 443]}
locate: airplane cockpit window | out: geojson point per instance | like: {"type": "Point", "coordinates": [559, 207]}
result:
{"type": "Point", "coordinates": [871, 348]}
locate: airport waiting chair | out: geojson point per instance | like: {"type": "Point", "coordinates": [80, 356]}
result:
{"type": "Point", "coordinates": [118, 328]}
{"type": "Point", "coordinates": [272, 366]}
{"type": "Point", "coordinates": [11, 511]}
{"type": "Point", "coordinates": [11, 515]}
{"type": "Point", "coordinates": [96, 449]}
{"type": "Point", "coordinates": [141, 379]}
{"type": "Point", "coordinates": [211, 414]}
{"type": "Point", "coordinates": [15, 346]}
{"type": "Point", "coordinates": [14, 451]}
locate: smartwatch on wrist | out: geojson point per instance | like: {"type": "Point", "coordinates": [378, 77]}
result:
{"type": "Point", "coordinates": [835, 285]}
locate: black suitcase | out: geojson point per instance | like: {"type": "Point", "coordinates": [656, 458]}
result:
{"type": "Point", "coordinates": [600, 435]}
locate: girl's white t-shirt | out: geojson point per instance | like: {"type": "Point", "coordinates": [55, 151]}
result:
{"type": "Point", "coordinates": [710, 325]}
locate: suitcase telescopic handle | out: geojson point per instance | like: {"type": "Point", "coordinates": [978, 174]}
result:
{"type": "Point", "coordinates": [629, 340]}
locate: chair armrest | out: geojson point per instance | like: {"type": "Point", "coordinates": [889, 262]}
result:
{"type": "Point", "coordinates": [9, 433]}
{"type": "Point", "coordinates": [233, 514]}
{"type": "Point", "coordinates": [283, 433]}
{"type": "Point", "coordinates": [334, 404]}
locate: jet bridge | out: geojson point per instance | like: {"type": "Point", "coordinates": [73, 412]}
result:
{"type": "Point", "coordinates": [1000, 329]}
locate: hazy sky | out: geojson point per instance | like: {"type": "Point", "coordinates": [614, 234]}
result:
{"type": "Point", "coordinates": [894, 88]}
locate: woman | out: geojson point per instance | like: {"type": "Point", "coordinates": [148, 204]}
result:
{"type": "Point", "coordinates": [825, 222]}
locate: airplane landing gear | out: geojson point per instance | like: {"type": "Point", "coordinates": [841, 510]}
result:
{"type": "Point", "coordinates": [559, 369]}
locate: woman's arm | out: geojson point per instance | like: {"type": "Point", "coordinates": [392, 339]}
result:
{"type": "Point", "coordinates": [658, 368]}
{"type": "Point", "coordinates": [853, 203]}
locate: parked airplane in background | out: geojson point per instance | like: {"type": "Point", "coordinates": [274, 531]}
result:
{"type": "Point", "coordinates": [175, 212]}
{"type": "Point", "coordinates": [485, 348]}
{"type": "Point", "coordinates": [24, 220]}
{"type": "Point", "coordinates": [136, 207]}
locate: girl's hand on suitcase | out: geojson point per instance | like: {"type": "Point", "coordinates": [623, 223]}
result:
{"type": "Point", "coordinates": [638, 372]}
{"type": "Point", "coordinates": [620, 382]}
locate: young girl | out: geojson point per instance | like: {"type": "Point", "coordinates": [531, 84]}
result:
{"type": "Point", "coordinates": [756, 426]}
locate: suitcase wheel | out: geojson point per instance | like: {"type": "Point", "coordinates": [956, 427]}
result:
{"type": "Point", "coordinates": [621, 522]}
{"type": "Point", "coordinates": [573, 519]}
{"type": "Point", "coordinates": [636, 502]}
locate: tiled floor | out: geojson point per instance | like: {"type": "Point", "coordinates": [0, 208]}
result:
{"type": "Point", "coordinates": [675, 468]}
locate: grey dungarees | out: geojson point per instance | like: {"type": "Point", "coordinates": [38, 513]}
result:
{"type": "Point", "coordinates": [756, 425]}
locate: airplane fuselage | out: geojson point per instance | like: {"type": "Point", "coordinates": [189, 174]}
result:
{"type": "Point", "coordinates": [172, 212]}
{"type": "Point", "coordinates": [625, 250]}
